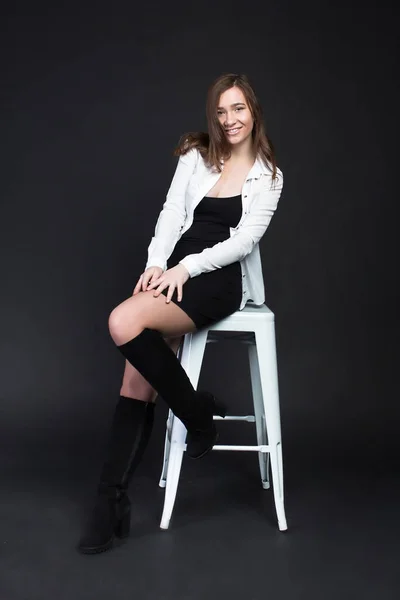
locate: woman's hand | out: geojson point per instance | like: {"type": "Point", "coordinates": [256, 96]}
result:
{"type": "Point", "coordinates": [148, 276]}
{"type": "Point", "coordinates": [172, 278]}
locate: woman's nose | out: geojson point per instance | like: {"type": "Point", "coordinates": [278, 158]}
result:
{"type": "Point", "coordinates": [229, 119]}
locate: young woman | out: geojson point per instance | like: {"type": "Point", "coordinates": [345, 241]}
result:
{"type": "Point", "coordinates": [203, 265]}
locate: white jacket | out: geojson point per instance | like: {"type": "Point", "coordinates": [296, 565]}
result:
{"type": "Point", "coordinates": [191, 182]}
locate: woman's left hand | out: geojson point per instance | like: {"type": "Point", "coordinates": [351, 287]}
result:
{"type": "Point", "coordinates": [172, 278]}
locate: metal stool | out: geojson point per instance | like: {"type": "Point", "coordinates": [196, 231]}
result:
{"type": "Point", "coordinates": [256, 328]}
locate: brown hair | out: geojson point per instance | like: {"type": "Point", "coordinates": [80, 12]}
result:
{"type": "Point", "coordinates": [213, 146]}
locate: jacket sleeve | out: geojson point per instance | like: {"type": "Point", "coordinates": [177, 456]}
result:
{"type": "Point", "coordinates": [172, 216]}
{"type": "Point", "coordinates": [244, 237]}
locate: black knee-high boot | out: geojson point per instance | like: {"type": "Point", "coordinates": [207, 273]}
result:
{"type": "Point", "coordinates": [130, 432]}
{"type": "Point", "coordinates": [155, 360]}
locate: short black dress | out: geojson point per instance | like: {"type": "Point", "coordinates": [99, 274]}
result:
{"type": "Point", "coordinates": [211, 296]}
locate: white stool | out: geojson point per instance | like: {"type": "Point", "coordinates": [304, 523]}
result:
{"type": "Point", "coordinates": [257, 330]}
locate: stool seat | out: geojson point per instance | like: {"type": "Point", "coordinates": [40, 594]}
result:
{"type": "Point", "coordinates": [253, 326]}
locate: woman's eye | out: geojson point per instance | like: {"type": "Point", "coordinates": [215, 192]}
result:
{"type": "Point", "coordinates": [221, 112]}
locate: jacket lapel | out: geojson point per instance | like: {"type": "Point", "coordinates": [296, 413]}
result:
{"type": "Point", "coordinates": [206, 185]}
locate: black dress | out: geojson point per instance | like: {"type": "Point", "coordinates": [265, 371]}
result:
{"type": "Point", "coordinates": [211, 296]}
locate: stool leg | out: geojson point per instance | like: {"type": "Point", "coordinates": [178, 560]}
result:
{"type": "Point", "coordinates": [263, 457]}
{"type": "Point", "coordinates": [266, 350]}
{"type": "Point", "coordinates": [191, 359]}
{"type": "Point", "coordinates": [168, 434]}
{"type": "Point", "coordinates": [174, 468]}
{"type": "Point", "coordinates": [277, 475]}
{"type": "Point", "coordinates": [167, 447]}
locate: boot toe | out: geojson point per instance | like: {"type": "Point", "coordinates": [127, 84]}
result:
{"type": "Point", "coordinates": [199, 443]}
{"type": "Point", "coordinates": [109, 519]}
{"type": "Point", "coordinates": [98, 537]}
{"type": "Point", "coordinates": [89, 545]}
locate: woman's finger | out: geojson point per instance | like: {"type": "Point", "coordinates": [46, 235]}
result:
{"type": "Point", "coordinates": [180, 288]}
{"type": "Point", "coordinates": [137, 286]}
{"type": "Point", "coordinates": [145, 282]}
{"type": "Point", "coordinates": [155, 283]}
{"type": "Point", "coordinates": [160, 288]}
{"type": "Point", "coordinates": [170, 292]}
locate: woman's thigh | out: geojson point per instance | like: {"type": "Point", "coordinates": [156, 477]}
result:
{"type": "Point", "coordinates": [142, 311]}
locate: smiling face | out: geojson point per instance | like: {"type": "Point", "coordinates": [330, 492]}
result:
{"type": "Point", "coordinates": [235, 117]}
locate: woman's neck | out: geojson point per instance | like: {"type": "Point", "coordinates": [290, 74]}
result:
{"type": "Point", "coordinates": [242, 153]}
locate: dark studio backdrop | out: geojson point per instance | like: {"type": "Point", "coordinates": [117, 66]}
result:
{"type": "Point", "coordinates": [93, 104]}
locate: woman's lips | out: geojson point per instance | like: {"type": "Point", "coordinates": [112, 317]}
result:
{"type": "Point", "coordinates": [233, 131]}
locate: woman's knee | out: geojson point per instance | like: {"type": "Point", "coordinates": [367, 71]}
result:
{"type": "Point", "coordinates": [115, 321]}
{"type": "Point", "coordinates": [123, 321]}
{"type": "Point", "coordinates": [129, 318]}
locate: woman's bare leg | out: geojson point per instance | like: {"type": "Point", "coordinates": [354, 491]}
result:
{"type": "Point", "coordinates": [134, 385]}
{"type": "Point", "coordinates": [143, 311]}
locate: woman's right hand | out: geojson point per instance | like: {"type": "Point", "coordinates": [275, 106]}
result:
{"type": "Point", "coordinates": [150, 274]}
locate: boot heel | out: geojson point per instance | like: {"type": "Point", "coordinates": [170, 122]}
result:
{"type": "Point", "coordinates": [220, 408]}
{"type": "Point", "coordinates": [123, 526]}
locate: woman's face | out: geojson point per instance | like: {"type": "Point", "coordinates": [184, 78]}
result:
{"type": "Point", "coordinates": [235, 116]}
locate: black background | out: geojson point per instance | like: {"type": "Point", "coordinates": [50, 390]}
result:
{"type": "Point", "coordinates": [93, 103]}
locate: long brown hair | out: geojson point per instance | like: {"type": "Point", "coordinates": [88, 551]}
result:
{"type": "Point", "coordinates": [214, 146]}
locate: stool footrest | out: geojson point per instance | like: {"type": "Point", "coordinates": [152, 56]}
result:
{"type": "Point", "coordinates": [248, 418]}
{"type": "Point", "coordinates": [262, 448]}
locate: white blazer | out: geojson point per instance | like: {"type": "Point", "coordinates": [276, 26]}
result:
{"type": "Point", "coordinates": [191, 182]}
